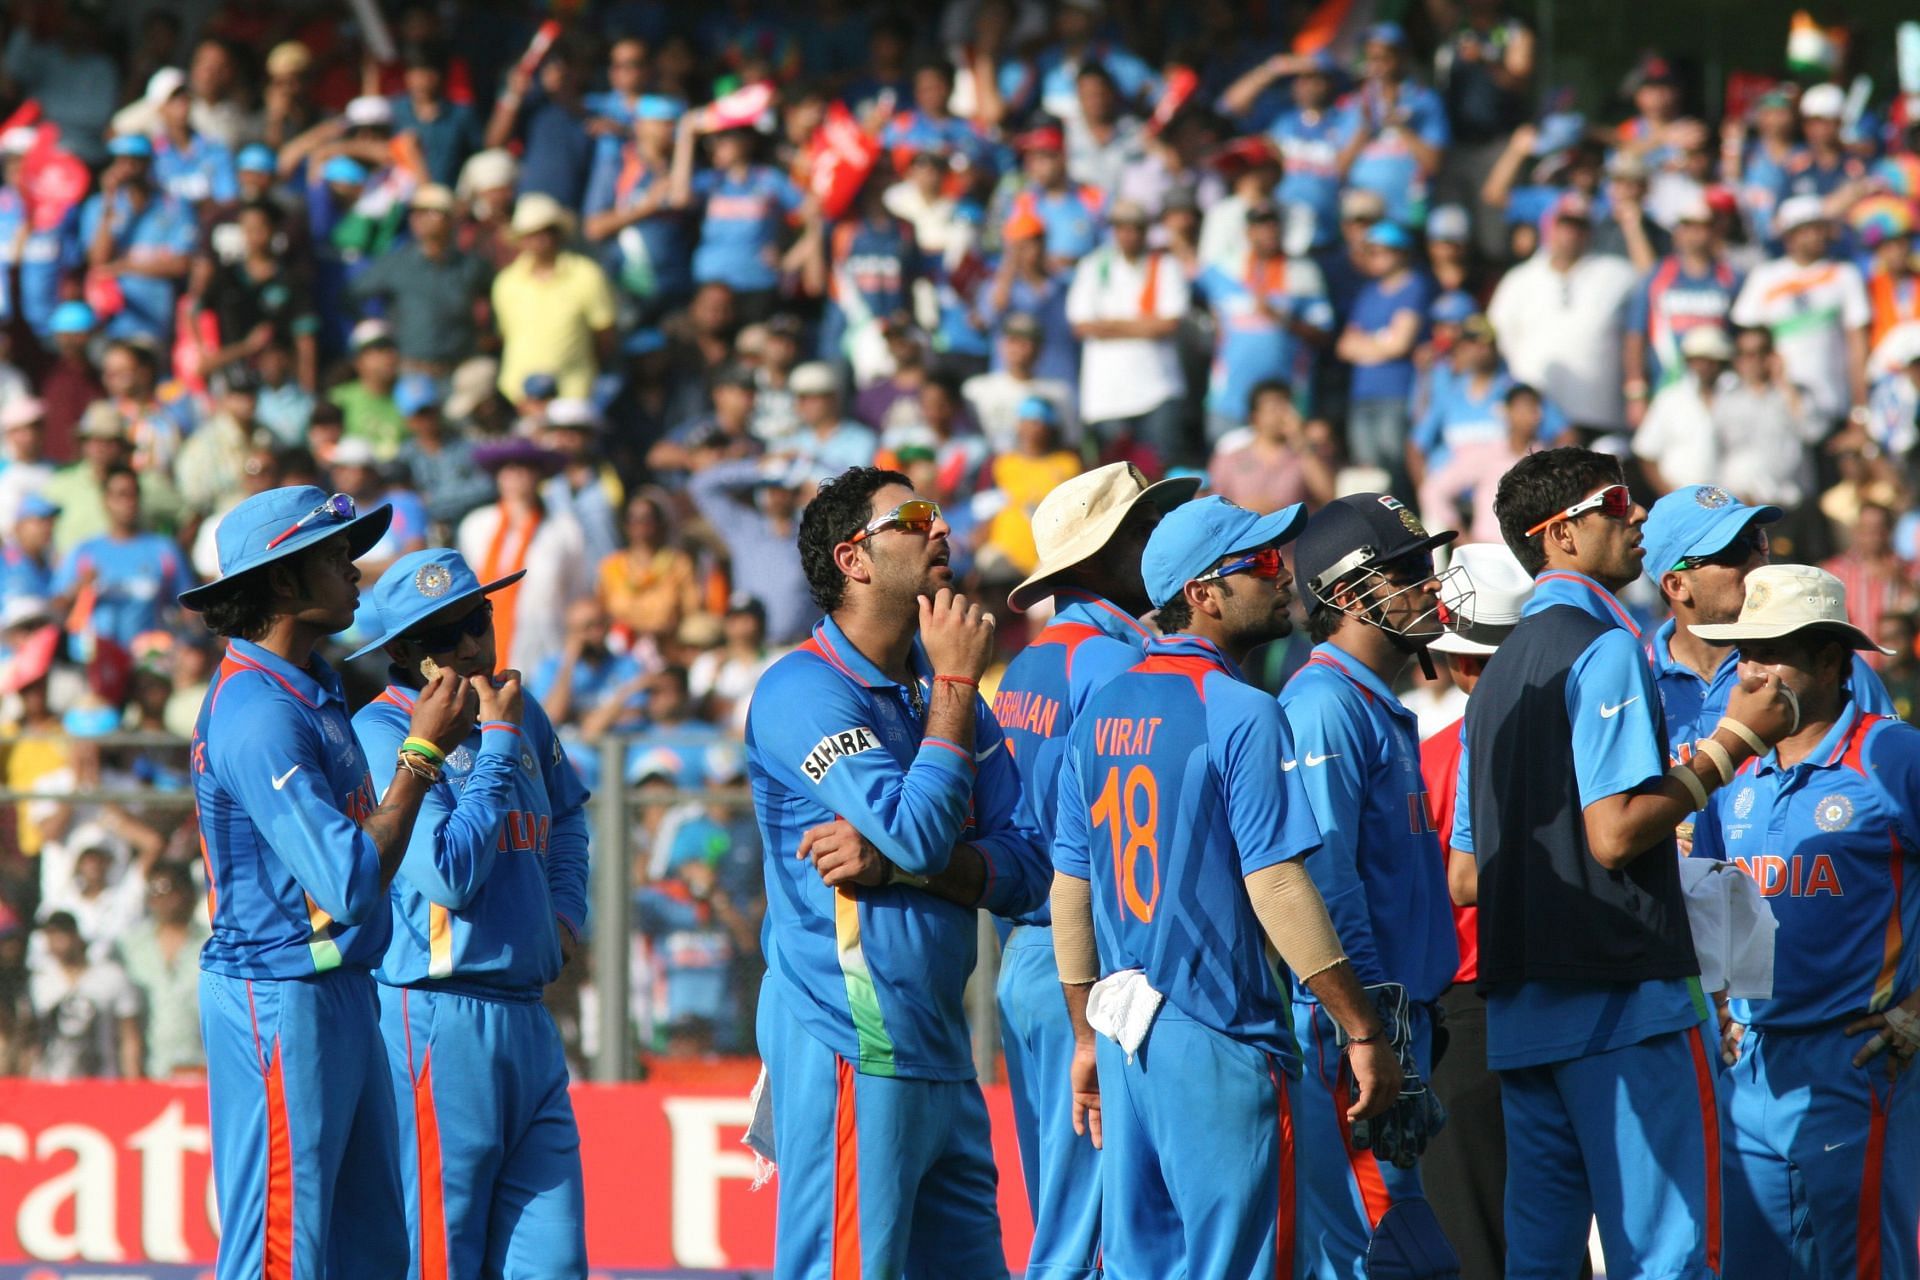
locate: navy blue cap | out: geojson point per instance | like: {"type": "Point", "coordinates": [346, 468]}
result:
{"type": "Point", "coordinates": [1359, 531]}
{"type": "Point", "coordinates": [1192, 538]}
{"type": "Point", "coordinates": [1695, 520]}
{"type": "Point", "coordinates": [417, 586]}
{"type": "Point", "coordinates": [245, 533]}
{"type": "Point", "coordinates": [540, 386]}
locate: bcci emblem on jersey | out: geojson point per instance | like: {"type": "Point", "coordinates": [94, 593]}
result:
{"type": "Point", "coordinates": [829, 750]}
{"type": "Point", "coordinates": [1833, 813]}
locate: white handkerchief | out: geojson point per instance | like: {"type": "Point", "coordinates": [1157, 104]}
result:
{"type": "Point", "coordinates": [1121, 1007]}
{"type": "Point", "coordinates": [759, 1135]}
{"type": "Point", "coordinates": [1733, 928]}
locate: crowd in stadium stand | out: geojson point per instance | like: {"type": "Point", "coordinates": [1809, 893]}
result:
{"type": "Point", "coordinates": [604, 293]}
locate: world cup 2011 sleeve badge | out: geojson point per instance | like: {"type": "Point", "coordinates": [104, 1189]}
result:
{"type": "Point", "coordinates": [1833, 813]}
{"type": "Point", "coordinates": [432, 581]}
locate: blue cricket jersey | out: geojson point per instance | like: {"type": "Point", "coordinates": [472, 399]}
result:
{"type": "Point", "coordinates": [1047, 685]}
{"type": "Point", "coordinates": [1174, 772]}
{"type": "Point", "coordinates": [163, 225]}
{"type": "Point", "coordinates": [878, 975]}
{"type": "Point", "coordinates": [498, 852]}
{"type": "Point", "coordinates": [1379, 867]}
{"type": "Point", "coordinates": [740, 224]}
{"type": "Point", "coordinates": [1834, 844]}
{"type": "Point", "coordinates": [135, 581]}
{"type": "Point", "coordinates": [1249, 347]}
{"type": "Point", "coordinates": [293, 883]}
{"type": "Point", "coordinates": [1694, 706]}
{"type": "Point", "coordinates": [1613, 705]}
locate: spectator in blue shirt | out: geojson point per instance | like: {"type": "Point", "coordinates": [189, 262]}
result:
{"type": "Point", "coordinates": [552, 124]}
{"type": "Point", "coordinates": [141, 237]}
{"type": "Point", "coordinates": [130, 576]}
{"type": "Point", "coordinates": [1396, 130]}
{"type": "Point", "coordinates": [615, 110]}
{"type": "Point", "coordinates": [744, 209]}
{"type": "Point", "coordinates": [589, 690]}
{"type": "Point", "coordinates": [645, 240]}
{"type": "Point", "coordinates": [187, 164]}
{"type": "Point", "coordinates": [448, 132]}
{"type": "Point", "coordinates": [38, 251]}
{"type": "Point", "coordinates": [1388, 319]}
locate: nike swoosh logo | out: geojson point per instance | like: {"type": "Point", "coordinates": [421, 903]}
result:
{"type": "Point", "coordinates": [1288, 766]}
{"type": "Point", "coordinates": [1314, 761]}
{"type": "Point", "coordinates": [981, 757]}
{"type": "Point", "coordinates": [281, 781]}
{"type": "Point", "coordinates": [1835, 1146]}
{"type": "Point", "coordinates": [1608, 713]}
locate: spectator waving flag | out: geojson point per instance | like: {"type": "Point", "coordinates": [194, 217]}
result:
{"type": "Point", "coordinates": [840, 157]}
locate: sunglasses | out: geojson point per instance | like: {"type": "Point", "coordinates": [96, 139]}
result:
{"type": "Point", "coordinates": [1736, 553]}
{"type": "Point", "coordinates": [1615, 502]}
{"type": "Point", "coordinates": [1264, 563]}
{"type": "Point", "coordinates": [338, 507]}
{"type": "Point", "coordinates": [446, 637]}
{"type": "Point", "coordinates": [916, 516]}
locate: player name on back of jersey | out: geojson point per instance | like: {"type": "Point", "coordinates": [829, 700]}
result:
{"type": "Point", "coordinates": [1018, 709]}
{"type": "Point", "coordinates": [829, 750]}
{"type": "Point", "coordinates": [1124, 735]}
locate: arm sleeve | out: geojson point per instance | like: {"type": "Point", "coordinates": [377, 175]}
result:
{"type": "Point", "coordinates": [597, 296]}
{"type": "Point", "coordinates": [1331, 747]}
{"type": "Point", "coordinates": [1074, 949]}
{"type": "Point", "coordinates": [1746, 310]}
{"type": "Point", "coordinates": [1081, 293]}
{"type": "Point", "coordinates": [817, 737]}
{"type": "Point", "coordinates": [1295, 919]}
{"type": "Point", "coordinates": [1018, 870]}
{"type": "Point", "coordinates": [451, 851]}
{"type": "Point", "coordinates": [330, 857]}
{"type": "Point", "coordinates": [1855, 311]}
{"type": "Point", "coordinates": [711, 489]}
{"type": "Point", "coordinates": [1613, 706]}
{"type": "Point", "coordinates": [1637, 303]}
{"type": "Point", "coordinates": [568, 860]}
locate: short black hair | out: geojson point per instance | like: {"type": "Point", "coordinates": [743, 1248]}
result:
{"type": "Point", "coordinates": [1269, 387]}
{"type": "Point", "coordinates": [267, 209]}
{"type": "Point", "coordinates": [1175, 616]}
{"type": "Point", "coordinates": [936, 64]}
{"type": "Point", "coordinates": [1098, 71]}
{"type": "Point", "coordinates": [1323, 620]}
{"type": "Point", "coordinates": [241, 613]}
{"type": "Point", "coordinates": [1541, 484]}
{"type": "Point", "coordinates": [116, 470]}
{"type": "Point", "coordinates": [1520, 390]}
{"type": "Point", "coordinates": [840, 509]}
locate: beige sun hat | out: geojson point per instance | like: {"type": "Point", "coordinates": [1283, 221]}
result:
{"type": "Point", "coordinates": [1079, 518]}
{"type": "Point", "coordinates": [536, 211]}
{"type": "Point", "coordinates": [1786, 598]}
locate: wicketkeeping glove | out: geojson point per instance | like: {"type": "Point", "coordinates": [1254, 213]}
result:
{"type": "Point", "coordinates": [1399, 1134]}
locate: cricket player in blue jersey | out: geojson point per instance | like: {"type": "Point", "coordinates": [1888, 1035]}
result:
{"type": "Point", "coordinates": [1364, 569]}
{"type": "Point", "coordinates": [1568, 804]}
{"type": "Point", "coordinates": [1822, 1113]}
{"type": "Point", "coordinates": [1090, 533]}
{"type": "Point", "coordinates": [1701, 543]}
{"type": "Point", "coordinates": [487, 908]}
{"type": "Point", "coordinates": [889, 811]}
{"type": "Point", "coordinates": [299, 855]}
{"type": "Point", "coordinates": [1178, 859]}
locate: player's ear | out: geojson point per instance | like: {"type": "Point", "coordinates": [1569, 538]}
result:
{"type": "Point", "coordinates": [1675, 588]}
{"type": "Point", "coordinates": [1202, 598]}
{"type": "Point", "coordinates": [852, 561]}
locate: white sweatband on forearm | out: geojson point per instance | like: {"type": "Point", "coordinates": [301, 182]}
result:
{"type": "Point", "coordinates": [1074, 950]}
{"type": "Point", "coordinates": [1294, 916]}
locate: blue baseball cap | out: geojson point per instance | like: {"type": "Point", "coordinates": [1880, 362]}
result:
{"type": "Point", "coordinates": [1695, 520]}
{"type": "Point", "coordinates": [344, 170]}
{"type": "Point", "coordinates": [1452, 307]}
{"type": "Point", "coordinates": [658, 106]}
{"type": "Point", "coordinates": [137, 145]}
{"type": "Point", "coordinates": [414, 588]}
{"type": "Point", "coordinates": [1193, 537]}
{"type": "Point", "coordinates": [1390, 235]}
{"type": "Point", "coordinates": [255, 157]}
{"type": "Point", "coordinates": [282, 522]}
{"type": "Point", "coordinates": [1387, 33]}
{"type": "Point", "coordinates": [540, 386]}
{"type": "Point", "coordinates": [417, 391]}
{"type": "Point", "coordinates": [38, 507]}
{"type": "Point", "coordinates": [1040, 409]}
{"type": "Point", "coordinates": [71, 317]}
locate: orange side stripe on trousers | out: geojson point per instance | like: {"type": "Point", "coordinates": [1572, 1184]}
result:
{"type": "Point", "coordinates": [1366, 1169]}
{"type": "Point", "coordinates": [1866, 1248]}
{"type": "Point", "coordinates": [433, 1211]}
{"type": "Point", "coordinates": [1283, 1230]}
{"type": "Point", "coordinates": [846, 1177]}
{"type": "Point", "coordinates": [1710, 1131]}
{"type": "Point", "coordinates": [277, 1248]}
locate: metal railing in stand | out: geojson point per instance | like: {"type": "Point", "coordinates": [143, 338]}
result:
{"type": "Point", "coordinates": [616, 811]}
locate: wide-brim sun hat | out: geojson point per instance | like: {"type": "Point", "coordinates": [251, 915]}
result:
{"type": "Point", "coordinates": [271, 526]}
{"type": "Point", "coordinates": [1785, 599]}
{"type": "Point", "coordinates": [1079, 517]}
{"type": "Point", "coordinates": [1484, 601]}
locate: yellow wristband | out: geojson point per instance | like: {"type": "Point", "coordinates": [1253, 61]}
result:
{"type": "Point", "coordinates": [1691, 781]}
{"type": "Point", "coordinates": [1721, 757]}
{"type": "Point", "coordinates": [421, 747]}
{"type": "Point", "coordinates": [1743, 733]}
